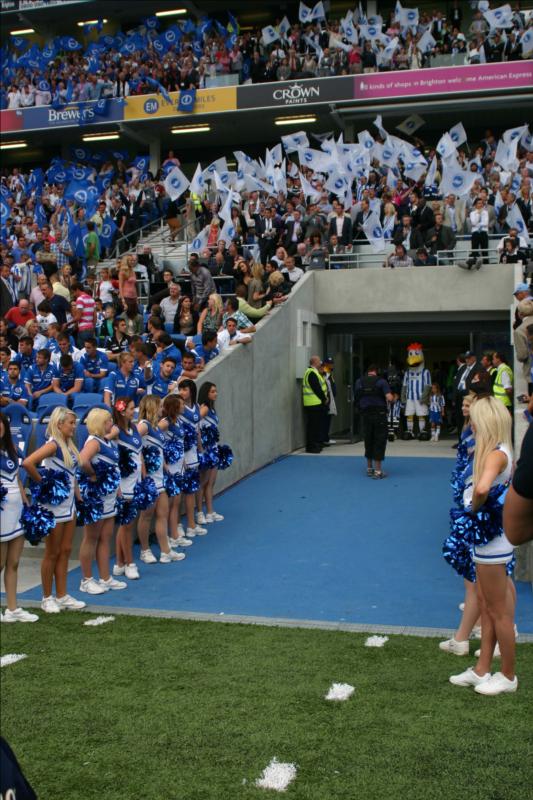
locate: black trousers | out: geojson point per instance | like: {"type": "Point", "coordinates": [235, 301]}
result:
{"type": "Point", "coordinates": [375, 433]}
{"type": "Point", "coordinates": [314, 422]}
{"type": "Point", "coordinates": [480, 245]}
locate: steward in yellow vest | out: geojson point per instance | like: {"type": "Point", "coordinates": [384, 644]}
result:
{"type": "Point", "coordinates": [502, 387]}
{"type": "Point", "coordinates": [315, 402]}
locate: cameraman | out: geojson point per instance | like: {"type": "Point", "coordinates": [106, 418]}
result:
{"type": "Point", "coordinates": [372, 394]}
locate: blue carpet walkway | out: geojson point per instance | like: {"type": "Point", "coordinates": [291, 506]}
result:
{"type": "Point", "coordinates": [314, 538]}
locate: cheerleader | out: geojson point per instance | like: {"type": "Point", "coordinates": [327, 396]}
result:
{"type": "Point", "coordinates": [436, 411]}
{"type": "Point", "coordinates": [484, 491]}
{"type": "Point", "coordinates": [131, 470]}
{"type": "Point", "coordinates": [59, 453]}
{"type": "Point", "coordinates": [190, 419]}
{"type": "Point", "coordinates": [153, 440]}
{"type": "Point", "coordinates": [174, 456]}
{"type": "Point", "coordinates": [99, 460]}
{"type": "Point", "coordinates": [12, 501]}
{"type": "Point", "coordinates": [209, 434]}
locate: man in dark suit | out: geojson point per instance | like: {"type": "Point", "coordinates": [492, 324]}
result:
{"type": "Point", "coordinates": [268, 231]}
{"type": "Point", "coordinates": [440, 237]}
{"type": "Point", "coordinates": [8, 295]}
{"type": "Point", "coordinates": [468, 367]}
{"type": "Point", "coordinates": [421, 213]}
{"type": "Point", "coordinates": [295, 232]}
{"type": "Point", "coordinates": [405, 234]}
{"type": "Point", "coordinates": [341, 226]}
{"type": "Point", "coordinates": [359, 234]}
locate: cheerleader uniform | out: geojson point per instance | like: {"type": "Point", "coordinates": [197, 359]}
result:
{"type": "Point", "coordinates": [209, 431]}
{"type": "Point", "coordinates": [190, 420]}
{"type": "Point", "coordinates": [130, 440]}
{"type": "Point", "coordinates": [499, 550]}
{"type": "Point", "coordinates": [175, 431]}
{"type": "Point", "coordinates": [12, 504]}
{"type": "Point", "coordinates": [155, 438]}
{"type": "Point", "coordinates": [65, 511]}
{"type": "Point", "coordinates": [108, 455]}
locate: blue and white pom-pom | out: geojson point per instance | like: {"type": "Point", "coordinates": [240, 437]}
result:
{"type": "Point", "coordinates": [172, 483]}
{"type": "Point", "coordinates": [152, 459]}
{"type": "Point", "coordinates": [190, 436]}
{"type": "Point", "coordinates": [190, 481]}
{"type": "Point", "coordinates": [37, 522]}
{"type": "Point", "coordinates": [480, 527]}
{"type": "Point", "coordinates": [107, 477]}
{"type": "Point", "coordinates": [145, 493]}
{"type": "Point", "coordinates": [173, 450]}
{"type": "Point", "coordinates": [53, 489]}
{"type": "Point", "coordinates": [210, 436]}
{"type": "Point", "coordinates": [458, 554]}
{"type": "Point", "coordinates": [209, 458]}
{"type": "Point", "coordinates": [88, 512]}
{"type": "Point", "coordinates": [225, 456]}
{"type": "Point", "coordinates": [126, 511]}
{"type": "Point", "coordinates": [3, 492]}
{"type": "Point", "coordinates": [126, 461]}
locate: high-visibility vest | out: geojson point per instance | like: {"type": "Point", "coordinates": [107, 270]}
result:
{"type": "Point", "coordinates": [498, 389]}
{"type": "Point", "coordinates": [196, 201]}
{"type": "Point", "coordinates": [309, 397]}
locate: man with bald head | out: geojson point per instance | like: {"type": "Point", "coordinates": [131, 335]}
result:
{"type": "Point", "coordinates": [315, 401]}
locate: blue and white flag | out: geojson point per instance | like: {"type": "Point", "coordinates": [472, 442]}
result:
{"type": "Point", "coordinates": [141, 163]}
{"type": "Point", "coordinates": [431, 173]}
{"type": "Point", "coordinates": [19, 42]}
{"type": "Point", "coordinates": [414, 170]}
{"type": "Point", "coordinates": [410, 124]}
{"type": "Point", "coordinates": [318, 11]}
{"type": "Point", "coordinates": [366, 139]}
{"type": "Point", "coordinates": [39, 214]}
{"type": "Point", "coordinates": [220, 165]}
{"type": "Point", "coordinates": [5, 211]}
{"type": "Point", "coordinates": [527, 141]}
{"type": "Point", "coordinates": [526, 40]}
{"type": "Point", "coordinates": [374, 232]}
{"type": "Point", "coordinates": [292, 141]}
{"type": "Point", "coordinates": [426, 42]}
{"type": "Point", "coordinates": [69, 44]}
{"type": "Point", "coordinates": [176, 183]}
{"type": "Point", "coordinates": [269, 35]}
{"type": "Point", "coordinates": [317, 160]}
{"type": "Point", "coordinates": [369, 32]}
{"type": "Point", "coordinates": [36, 181]}
{"type": "Point", "coordinates": [83, 193]}
{"type": "Point", "coordinates": [81, 173]}
{"type": "Point", "coordinates": [506, 155]}
{"type": "Point", "coordinates": [43, 86]}
{"type": "Point", "coordinates": [80, 153]}
{"type": "Point", "coordinates": [284, 27]}
{"type": "Point", "coordinates": [501, 17]}
{"type": "Point", "coordinates": [456, 181]}
{"type": "Point", "coordinates": [187, 100]}
{"type": "Point", "coordinates": [108, 232]}
{"type": "Point", "coordinates": [516, 220]}
{"type": "Point", "coordinates": [446, 146]}
{"type": "Point", "coordinates": [197, 185]}
{"type": "Point", "coordinates": [227, 232]}
{"type": "Point", "coordinates": [458, 134]}
{"type": "Point", "coordinates": [514, 133]}
{"type": "Point", "coordinates": [350, 31]}
{"type": "Point", "coordinates": [304, 13]}
{"type": "Point", "coordinates": [408, 17]}
{"type": "Point", "coordinates": [199, 242]}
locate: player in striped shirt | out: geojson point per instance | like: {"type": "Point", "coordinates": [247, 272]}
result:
{"type": "Point", "coordinates": [436, 411]}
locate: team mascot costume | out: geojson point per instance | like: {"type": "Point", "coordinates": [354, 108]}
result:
{"type": "Point", "coordinates": [416, 391]}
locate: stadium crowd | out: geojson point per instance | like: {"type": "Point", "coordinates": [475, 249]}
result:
{"type": "Point", "coordinates": [186, 55]}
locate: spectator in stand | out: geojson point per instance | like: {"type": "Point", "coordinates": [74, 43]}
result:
{"type": "Point", "coordinates": [85, 312]}
{"type": "Point", "coordinates": [92, 247]}
{"type": "Point", "coordinates": [39, 377]}
{"type": "Point", "coordinates": [230, 336]}
{"type": "Point", "coordinates": [59, 307]}
{"type": "Point", "coordinates": [170, 305]}
{"type": "Point", "coordinates": [95, 367]}
{"type": "Point", "coordinates": [441, 238]}
{"type": "Point", "coordinates": [291, 272]}
{"type": "Point", "coordinates": [120, 341]}
{"type": "Point", "coordinates": [202, 283]}
{"type": "Point", "coordinates": [69, 376]}
{"type": "Point", "coordinates": [423, 259]}
{"type": "Point", "coordinates": [210, 319]}
{"type": "Point", "coordinates": [125, 382]}
{"type": "Point", "coordinates": [133, 318]}
{"type": "Point", "coordinates": [127, 279]}
{"type": "Point", "coordinates": [12, 387]}
{"type": "Point", "coordinates": [18, 316]}
{"type": "Point", "coordinates": [398, 258]}
{"type": "Point", "coordinates": [186, 317]}
{"type": "Point", "coordinates": [232, 310]}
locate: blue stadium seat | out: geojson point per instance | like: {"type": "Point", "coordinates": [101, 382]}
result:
{"type": "Point", "coordinates": [40, 427]}
{"type": "Point", "coordinates": [51, 400]}
{"type": "Point", "coordinates": [20, 423]}
{"type": "Point", "coordinates": [84, 401]}
{"type": "Point", "coordinates": [81, 434]}
{"type": "Point", "coordinates": [112, 367]}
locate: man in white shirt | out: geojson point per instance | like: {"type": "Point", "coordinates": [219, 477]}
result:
{"type": "Point", "coordinates": [291, 272]}
{"type": "Point", "coordinates": [230, 335]}
{"type": "Point", "coordinates": [479, 223]}
{"type": "Point", "coordinates": [169, 305]}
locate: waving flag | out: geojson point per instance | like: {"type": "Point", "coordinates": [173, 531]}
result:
{"type": "Point", "coordinates": [408, 17]}
{"type": "Point", "coordinates": [80, 153]}
{"type": "Point", "coordinates": [176, 183]}
{"type": "Point", "coordinates": [374, 232]}
{"type": "Point", "coordinates": [516, 220]}
{"type": "Point", "coordinates": [199, 242]}
{"type": "Point", "coordinates": [432, 173]}
{"type": "Point", "coordinates": [446, 146]}
{"type": "Point", "coordinates": [411, 124]}
{"type": "Point", "coordinates": [526, 41]}
{"type": "Point", "coordinates": [307, 188]}
{"type": "Point", "coordinates": [304, 13]}
{"type": "Point", "coordinates": [20, 43]}
{"type": "Point", "coordinates": [197, 185]}
{"type": "Point", "coordinates": [4, 211]}
{"type": "Point", "coordinates": [101, 107]}
{"type": "Point", "coordinates": [501, 17]}
{"type": "Point", "coordinates": [514, 133]}
{"type": "Point", "coordinates": [318, 11]}
{"type": "Point", "coordinates": [35, 181]}
{"type": "Point", "coordinates": [39, 214]}
{"type": "Point", "coordinates": [284, 27]}
{"type": "Point", "coordinates": [457, 134]}
{"type": "Point", "coordinates": [82, 192]}
{"type": "Point", "coordinates": [69, 44]}
{"type": "Point", "coordinates": [141, 163]}
{"type": "Point", "coordinates": [158, 87]}
{"type": "Point", "coordinates": [187, 100]}
{"type": "Point", "coordinates": [293, 141]}
{"type": "Point", "coordinates": [456, 181]}
{"type": "Point", "coordinates": [426, 42]}
{"type": "Point", "coordinates": [506, 155]}
{"type": "Point", "coordinates": [108, 232]}
{"type": "Point", "coordinates": [269, 35]}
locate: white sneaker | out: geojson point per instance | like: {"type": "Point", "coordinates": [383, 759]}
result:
{"type": "Point", "coordinates": [91, 586]}
{"type": "Point", "coordinates": [111, 583]}
{"type": "Point", "coordinates": [461, 606]}
{"type": "Point", "coordinates": [476, 632]}
{"type": "Point", "coordinates": [214, 517]}
{"type": "Point", "coordinates": [70, 603]}
{"type": "Point", "coordinates": [181, 542]}
{"type": "Point", "coordinates": [455, 647]}
{"type": "Point", "coordinates": [148, 557]}
{"type": "Point", "coordinates": [200, 518]}
{"type": "Point", "coordinates": [496, 653]}
{"type": "Point", "coordinates": [18, 615]}
{"type": "Point", "coordinates": [198, 531]}
{"type": "Point", "coordinates": [469, 678]}
{"type": "Point", "coordinates": [50, 605]}
{"type": "Point", "coordinates": [132, 572]}
{"type": "Point", "coordinates": [191, 533]}
{"type": "Point", "coordinates": [166, 558]}
{"type": "Point", "coordinates": [119, 570]}
{"type": "Point", "coordinates": [181, 531]}
{"type": "Point", "coordinates": [497, 684]}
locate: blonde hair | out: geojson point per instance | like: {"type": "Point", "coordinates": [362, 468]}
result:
{"type": "Point", "coordinates": [389, 210]}
{"type": "Point", "coordinates": [96, 420]}
{"type": "Point", "coordinates": [217, 302]}
{"type": "Point", "coordinates": [492, 423]}
{"type": "Point", "coordinates": [125, 266]}
{"type": "Point", "coordinates": [149, 408]}
{"type": "Point", "coordinates": [57, 418]}
{"type": "Point", "coordinates": [257, 271]}
{"type": "Point", "coordinates": [468, 399]}
{"type": "Point", "coordinates": [275, 278]}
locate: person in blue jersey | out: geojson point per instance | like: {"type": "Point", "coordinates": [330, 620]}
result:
{"type": "Point", "coordinates": [163, 381]}
{"type": "Point", "coordinates": [166, 347]}
{"type": "Point", "coordinates": [100, 451]}
{"type": "Point", "coordinates": [12, 387]}
{"type": "Point", "coordinates": [484, 491]}
{"type": "Point", "coordinates": [95, 366]}
{"type": "Point", "coordinates": [209, 433]}
{"type": "Point", "coordinates": [207, 348]}
{"type": "Point", "coordinates": [63, 345]}
{"type": "Point", "coordinates": [38, 378]}
{"type": "Point", "coordinates": [175, 463]}
{"type": "Point", "coordinates": [153, 439]}
{"type": "Point", "coordinates": [26, 355]}
{"type": "Point", "coordinates": [11, 531]}
{"type": "Point", "coordinates": [190, 419]}
{"type": "Point", "coordinates": [131, 471]}
{"type": "Point", "coordinates": [5, 358]}
{"type": "Point", "coordinates": [124, 383]}
{"type": "Point", "coordinates": [58, 453]}
{"type": "Point", "coordinates": [69, 377]}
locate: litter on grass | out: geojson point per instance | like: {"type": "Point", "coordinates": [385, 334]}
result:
{"type": "Point", "coordinates": [340, 691]}
{"type": "Point", "coordinates": [376, 641]}
{"type": "Point", "coordinates": [11, 658]}
{"type": "Point", "coordinates": [277, 776]}
{"type": "Point", "coordinates": [99, 621]}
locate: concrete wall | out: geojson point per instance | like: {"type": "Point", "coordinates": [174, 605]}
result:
{"type": "Point", "coordinates": [259, 388]}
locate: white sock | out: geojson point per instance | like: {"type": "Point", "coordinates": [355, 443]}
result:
{"type": "Point", "coordinates": [421, 424]}
{"type": "Point", "coordinates": [410, 423]}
